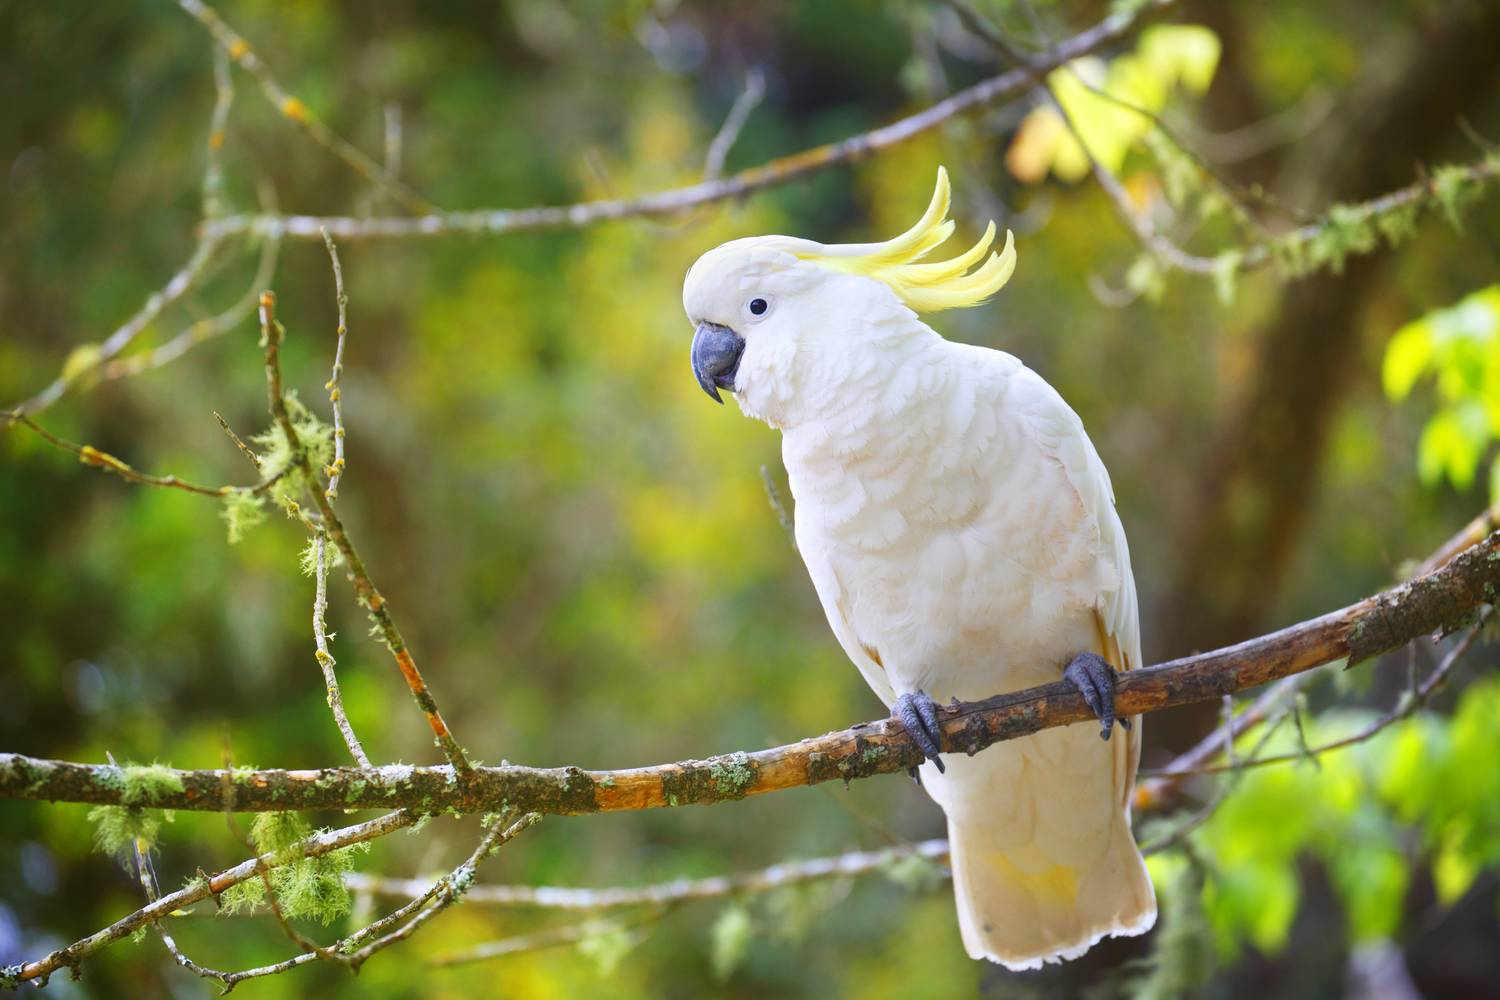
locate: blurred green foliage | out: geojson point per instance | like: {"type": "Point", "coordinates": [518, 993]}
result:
{"type": "Point", "coordinates": [579, 547]}
{"type": "Point", "coordinates": [1459, 347]}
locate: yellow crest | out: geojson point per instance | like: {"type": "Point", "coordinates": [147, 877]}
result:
{"type": "Point", "coordinates": [948, 284]}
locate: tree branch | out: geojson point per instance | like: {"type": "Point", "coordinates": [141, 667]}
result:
{"type": "Point", "coordinates": [1442, 601]}
{"type": "Point", "coordinates": [665, 893]}
{"type": "Point", "coordinates": [238, 49]}
{"type": "Point", "coordinates": [202, 888]}
{"type": "Point", "coordinates": [778, 171]}
{"type": "Point", "coordinates": [332, 525]}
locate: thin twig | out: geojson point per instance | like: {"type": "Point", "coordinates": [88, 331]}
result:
{"type": "Point", "coordinates": [773, 496]}
{"type": "Point", "coordinates": [443, 893]}
{"type": "Point", "coordinates": [202, 330]}
{"type": "Point", "coordinates": [779, 171]}
{"type": "Point", "coordinates": [734, 124]}
{"type": "Point", "coordinates": [296, 109]}
{"type": "Point", "coordinates": [177, 286]}
{"type": "Point", "coordinates": [364, 587]}
{"type": "Point", "coordinates": [213, 172]}
{"type": "Point", "coordinates": [239, 443]}
{"type": "Point", "coordinates": [325, 659]}
{"type": "Point", "coordinates": [335, 393]}
{"type": "Point", "coordinates": [314, 846]}
{"type": "Point", "coordinates": [681, 890]}
{"type": "Point", "coordinates": [553, 937]}
{"type": "Point", "coordinates": [1405, 708]}
{"type": "Point", "coordinates": [89, 455]}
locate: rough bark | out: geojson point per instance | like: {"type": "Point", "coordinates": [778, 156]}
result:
{"type": "Point", "coordinates": [1438, 602]}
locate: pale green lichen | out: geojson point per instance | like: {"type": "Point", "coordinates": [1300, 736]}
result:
{"type": "Point", "coordinates": [732, 778]}
{"type": "Point", "coordinates": [243, 513]}
{"type": "Point", "coordinates": [243, 897]}
{"type": "Point", "coordinates": [118, 829]}
{"type": "Point", "coordinates": [1456, 189]}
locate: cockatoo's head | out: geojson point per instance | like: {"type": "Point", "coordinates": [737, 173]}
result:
{"type": "Point", "coordinates": [783, 322]}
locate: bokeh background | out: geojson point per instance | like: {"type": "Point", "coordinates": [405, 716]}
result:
{"type": "Point", "coordinates": [579, 546]}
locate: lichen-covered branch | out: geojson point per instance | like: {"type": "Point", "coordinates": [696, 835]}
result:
{"type": "Point", "coordinates": [333, 526]}
{"type": "Point", "coordinates": [202, 888]}
{"type": "Point", "coordinates": [1442, 601]}
{"type": "Point", "coordinates": [677, 200]}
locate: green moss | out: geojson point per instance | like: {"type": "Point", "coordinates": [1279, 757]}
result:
{"type": "Point", "coordinates": [143, 784]}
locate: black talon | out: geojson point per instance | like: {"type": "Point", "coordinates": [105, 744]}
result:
{"type": "Point", "coordinates": [918, 713]}
{"type": "Point", "coordinates": [1095, 680]}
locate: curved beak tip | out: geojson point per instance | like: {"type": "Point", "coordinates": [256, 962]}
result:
{"type": "Point", "coordinates": [715, 357]}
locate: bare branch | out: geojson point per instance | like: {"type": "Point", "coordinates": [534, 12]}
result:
{"type": "Point", "coordinates": [775, 172]}
{"type": "Point", "coordinates": [335, 393]}
{"type": "Point", "coordinates": [1441, 601]}
{"type": "Point", "coordinates": [177, 286]}
{"type": "Point", "coordinates": [734, 124]}
{"type": "Point", "coordinates": [294, 108]}
{"type": "Point", "coordinates": [325, 659]}
{"type": "Point", "coordinates": [204, 329]}
{"type": "Point", "coordinates": [213, 173]}
{"type": "Point", "coordinates": [1405, 708]}
{"type": "Point", "coordinates": [89, 455]}
{"type": "Point", "coordinates": [677, 891]}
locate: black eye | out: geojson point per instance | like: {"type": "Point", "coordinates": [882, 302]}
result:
{"type": "Point", "coordinates": [758, 307]}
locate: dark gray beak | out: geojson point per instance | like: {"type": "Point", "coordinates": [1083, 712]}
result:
{"type": "Point", "coordinates": [716, 357]}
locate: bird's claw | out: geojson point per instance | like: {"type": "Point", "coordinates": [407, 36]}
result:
{"type": "Point", "coordinates": [919, 714]}
{"type": "Point", "coordinates": [1095, 680]}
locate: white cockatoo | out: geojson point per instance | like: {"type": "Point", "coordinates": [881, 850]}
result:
{"type": "Point", "coordinates": [961, 534]}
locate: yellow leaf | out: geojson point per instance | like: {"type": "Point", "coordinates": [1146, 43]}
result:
{"type": "Point", "coordinates": [1034, 147]}
{"type": "Point", "coordinates": [1408, 355]}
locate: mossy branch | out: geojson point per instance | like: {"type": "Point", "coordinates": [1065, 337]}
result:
{"type": "Point", "coordinates": [1441, 602]}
